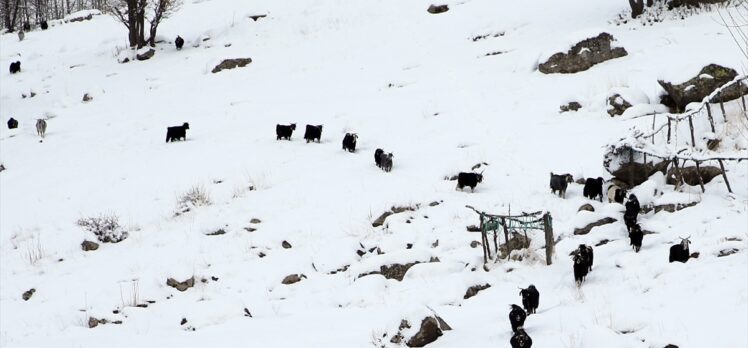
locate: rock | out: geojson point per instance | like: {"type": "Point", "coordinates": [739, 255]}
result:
{"type": "Point", "coordinates": [256, 17]}
{"type": "Point", "coordinates": [473, 228]}
{"type": "Point", "coordinates": [181, 286]}
{"type": "Point", "coordinates": [88, 245]}
{"type": "Point", "coordinates": [634, 173]}
{"type": "Point", "coordinates": [474, 244]}
{"type": "Point", "coordinates": [145, 54]}
{"type": "Point", "coordinates": [217, 232]}
{"type": "Point", "coordinates": [602, 242]}
{"type": "Point", "coordinates": [286, 245]}
{"type": "Point", "coordinates": [704, 83]}
{"type": "Point", "coordinates": [571, 106]}
{"type": "Point", "coordinates": [433, 204]}
{"type": "Point", "coordinates": [431, 329]}
{"type": "Point", "coordinates": [87, 98]}
{"type": "Point", "coordinates": [671, 346]}
{"type": "Point", "coordinates": [617, 105]}
{"type": "Point", "coordinates": [586, 207]}
{"type": "Point", "coordinates": [2, 167]}
{"type": "Point", "coordinates": [94, 322]}
{"type": "Point", "coordinates": [250, 229]}
{"type": "Point", "coordinates": [396, 271]}
{"type": "Point", "coordinates": [380, 220]}
{"type": "Point", "coordinates": [583, 55]}
{"type": "Point", "coordinates": [293, 278]}
{"type": "Point", "coordinates": [516, 242]}
{"type": "Point", "coordinates": [474, 290]}
{"type": "Point", "coordinates": [695, 255]}
{"type": "Point", "coordinates": [227, 64]}
{"type": "Point", "coordinates": [184, 321]}
{"type": "Point", "coordinates": [80, 19]}
{"type": "Point", "coordinates": [589, 227]}
{"type": "Point", "coordinates": [727, 252]}
{"type": "Point", "coordinates": [691, 175]}
{"type": "Point", "coordinates": [671, 208]}
{"type": "Point", "coordinates": [27, 295]}
{"type": "Point", "coordinates": [255, 221]}
{"type": "Point", "coordinates": [691, 3]}
{"type": "Point", "coordinates": [436, 9]}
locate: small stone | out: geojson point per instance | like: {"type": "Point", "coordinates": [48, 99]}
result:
{"type": "Point", "coordinates": [255, 221]}
{"type": "Point", "coordinates": [286, 245]}
{"type": "Point", "coordinates": [27, 295]}
{"type": "Point", "coordinates": [87, 98]}
{"type": "Point", "coordinates": [89, 245]}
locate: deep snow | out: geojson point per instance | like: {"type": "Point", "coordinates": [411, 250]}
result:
{"type": "Point", "coordinates": [332, 62]}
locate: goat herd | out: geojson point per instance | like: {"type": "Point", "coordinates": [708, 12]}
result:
{"type": "Point", "coordinates": [583, 256]}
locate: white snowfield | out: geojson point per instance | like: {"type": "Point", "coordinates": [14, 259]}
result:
{"type": "Point", "coordinates": [412, 83]}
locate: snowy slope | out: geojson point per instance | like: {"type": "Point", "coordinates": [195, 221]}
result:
{"type": "Point", "coordinates": [332, 62]}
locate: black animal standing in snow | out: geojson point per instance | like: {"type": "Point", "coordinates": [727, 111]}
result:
{"type": "Point", "coordinates": [580, 268]}
{"type": "Point", "coordinates": [12, 123]}
{"type": "Point", "coordinates": [635, 236]}
{"type": "Point", "coordinates": [177, 132]}
{"type": "Point", "coordinates": [179, 42]}
{"type": "Point", "coordinates": [349, 142]}
{"type": "Point", "coordinates": [284, 131]}
{"type": "Point", "coordinates": [313, 133]}
{"type": "Point", "coordinates": [44, 25]}
{"type": "Point", "coordinates": [593, 188]}
{"type": "Point", "coordinates": [559, 184]}
{"type": "Point", "coordinates": [530, 299]}
{"type": "Point", "coordinates": [15, 67]}
{"type": "Point", "coordinates": [521, 340]}
{"type": "Point", "coordinates": [468, 179]}
{"type": "Point", "coordinates": [517, 317]}
{"type": "Point", "coordinates": [680, 252]}
{"type": "Point", "coordinates": [632, 212]}
{"type": "Point", "coordinates": [385, 159]}
{"type": "Point", "coordinates": [378, 157]}
{"type": "Point", "coordinates": [587, 252]}
{"type": "Point", "coordinates": [616, 194]}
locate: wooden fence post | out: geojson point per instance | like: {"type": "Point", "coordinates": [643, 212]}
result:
{"type": "Point", "coordinates": [722, 107]}
{"type": "Point", "coordinates": [548, 227]}
{"type": "Point", "coordinates": [698, 173]}
{"type": "Point", "coordinates": [484, 240]}
{"type": "Point", "coordinates": [724, 175]}
{"type": "Point", "coordinates": [690, 124]}
{"type": "Point", "coordinates": [678, 176]}
{"type": "Point", "coordinates": [709, 113]}
{"type": "Point", "coordinates": [668, 130]}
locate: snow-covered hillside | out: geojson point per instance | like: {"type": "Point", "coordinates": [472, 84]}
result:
{"type": "Point", "coordinates": [413, 83]}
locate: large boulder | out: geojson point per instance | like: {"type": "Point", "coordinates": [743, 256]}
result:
{"type": "Point", "coordinates": [586, 229]}
{"type": "Point", "coordinates": [231, 64]}
{"type": "Point", "coordinates": [432, 327]}
{"type": "Point", "coordinates": [704, 83]}
{"type": "Point", "coordinates": [583, 55]}
{"type": "Point", "coordinates": [691, 175]}
{"type": "Point", "coordinates": [630, 171]}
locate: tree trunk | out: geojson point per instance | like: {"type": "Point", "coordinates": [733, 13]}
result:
{"type": "Point", "coordinates": [637, 8]}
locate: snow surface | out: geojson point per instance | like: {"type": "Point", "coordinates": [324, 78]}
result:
{"type": "Point", "coordinates": [331, 62]}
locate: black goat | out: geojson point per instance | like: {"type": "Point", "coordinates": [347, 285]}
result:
{"type": "Point", "coordinates": [521, 340]}
{"type": "Point", "coordinates": [587, 252]}
{"type": "Point", "coordinates": [593, 188]}
{"type": "Point", "coordinates": [580, 268]}
{"type": "Point", "coordinates": [468, 179]}
{"type": "Point", "coordinates": [44, 25]}
{"type": "Point", "coordinates": [12, 123]}
{"type": "Point", "coordinates": [179, 42]}
{"type": "Point", "coordinates": [177, 132]}
{"type": "Point", "coordinates": [349, 142]}
{"type": "Point", "coordinates": [530, 299]}
{"type": "Point", "coordinates": [15, 67]}
{"type": "Point", "coordinates": [313, 133]}
{"type": "Point", "coordinates": [517, 317]}
{"type": "Point", "coordinates": [680, 252]}
{"type": "Point", "coordinates": [385, 160]}
{"type": "Point", "coordinates": [378, 157]}
{"type": "Point", "coordinates": [559, 183]}
{"type": "Point", "coordinates": [632, 212]}
{"type": "Point", "coordinates": [636, 235]}
{"type": "Point", "coordinates": [616, 194]}
{"type": "Point", "coordinates": [284, 131]}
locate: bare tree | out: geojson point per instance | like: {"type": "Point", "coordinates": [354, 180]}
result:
{"type": "Point", "coordinates": [132, 14]}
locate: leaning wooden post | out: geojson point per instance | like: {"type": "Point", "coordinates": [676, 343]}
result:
{"type": "Point", "coordinates": [722, 107]}
{"type": "Point", "coordinates": [548, 227]}
{"type": "Point", "coordinates": [698, 174]}
{"type": "Point", "coordinates": [654, 118]}
{"type": "Point", "coordinates": [690, 125]}
{"type": "Point", "coordinates": [678, 176]}
{"type": "Point", "coordinates": [506, 230]}
{"type": "Point", "coordinates": [668, 130]}
{"type": "Point", "coordinates": [724, 175]}
{"type": "Point", "coordinates": [709, 113]}
{"type": "Point", "coordinates": [742, 98]}
{"type": "Point", "coordinates": [483, 240]}
{"type": "Point", "coordinates": [495, 243]}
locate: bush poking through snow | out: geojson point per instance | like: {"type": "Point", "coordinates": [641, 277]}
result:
{"type": "Point", "coordinates": [197, 196]}
{"type": "Point", "coordinates": [106, 228]}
